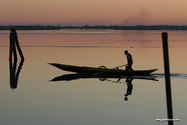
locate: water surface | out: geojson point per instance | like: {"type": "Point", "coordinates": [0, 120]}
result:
{"type": "Point", "coordinates": [36, 100]}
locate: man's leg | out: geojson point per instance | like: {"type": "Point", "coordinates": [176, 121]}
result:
{"type": "Point", "coordinates": [130, 67]}
{"type": "Point", "coordinates": [127, 68]}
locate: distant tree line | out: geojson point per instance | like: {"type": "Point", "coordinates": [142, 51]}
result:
{"type": "Point", "coordinates": [30, 27]}
{"type": "Point", "coordinates": [113, 27]}
{"type": "Point", "coordinates": [136, 27]}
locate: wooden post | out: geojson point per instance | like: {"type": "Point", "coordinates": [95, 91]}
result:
{"type": "Point", "coordinates": [13, 43]}
{"type": "Point", "coordinates": [167, 77]}
{"type": "Point", "coordinates": [12, 48]}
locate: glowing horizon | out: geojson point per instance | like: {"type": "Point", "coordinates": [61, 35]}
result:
{"type": "Point", "coordinates": [97, 12]}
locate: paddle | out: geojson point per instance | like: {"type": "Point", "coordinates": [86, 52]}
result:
{"type": "Point", "coordinates": [121, 66]}
{"type": "Point", "coordinates": [105, 71]}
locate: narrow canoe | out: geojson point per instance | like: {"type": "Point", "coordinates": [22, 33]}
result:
{"type": "Point", "coordinates": [101, 70]}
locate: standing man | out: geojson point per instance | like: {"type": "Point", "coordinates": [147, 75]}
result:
{"type": "Point", "coordinates": [129, 61]}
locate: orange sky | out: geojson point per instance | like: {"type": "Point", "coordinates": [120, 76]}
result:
{"type": "Point", "coordinates": [93, 12]}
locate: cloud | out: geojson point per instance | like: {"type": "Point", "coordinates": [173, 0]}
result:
{"type": "Point", "coordinates": [140, 18]}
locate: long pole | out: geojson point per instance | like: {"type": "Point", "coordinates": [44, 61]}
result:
{"type": "Point", "coordinates": [19, 49]}
{"type": "Point", "coordinates": [13, 44]}
{"type": "Point", "coordinates": [167, 77]}
{"type": "Point", "coordinates": [12, 49]}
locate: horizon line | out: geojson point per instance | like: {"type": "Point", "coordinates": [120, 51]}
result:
{"type": "Point", "coordinates": [91, 25]}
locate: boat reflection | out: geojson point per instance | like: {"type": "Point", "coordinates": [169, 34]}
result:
{"type": "Point", "coordinates": [14, 75]}
{"type": "Point", "coordinates": [128, 80]}
{"type": "Point", "coordinates": [70, 77]}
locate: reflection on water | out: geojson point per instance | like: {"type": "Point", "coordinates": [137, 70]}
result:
{"type": "Point", "coordinates": [172, 75]}
{"type": "Point", "coordinates": [69, 77]}
{"type": "Point", "coordinates": [128, 80]}
{"type": "Point", "coordinates": [129, 88]}
{"type": "Point", "coordinates": [14, 75]}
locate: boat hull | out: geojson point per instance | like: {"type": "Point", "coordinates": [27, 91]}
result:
{"type": "Point", "coordinates": [103, 71]}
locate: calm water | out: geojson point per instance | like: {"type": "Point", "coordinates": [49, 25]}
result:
{"type": "Point", "coordinates": [35, 100]}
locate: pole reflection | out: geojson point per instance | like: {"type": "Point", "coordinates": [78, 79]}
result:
{"type": "Point", "coordinates": [14, 73]}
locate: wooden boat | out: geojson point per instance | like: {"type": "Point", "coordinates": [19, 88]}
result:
{"type": "Point", "coordinates": [102, 70]}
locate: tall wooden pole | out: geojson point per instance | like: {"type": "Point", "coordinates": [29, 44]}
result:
{"type": "Point", "coordinates": [167, 77]}
{"type": "Point", "coordinates": [12, 48]}
{"type": "Point", "coordinates": [19, 49]}
{"type": "Point", "coordinates": [13, 44]}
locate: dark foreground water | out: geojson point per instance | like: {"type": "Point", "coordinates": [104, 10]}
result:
{"type": "Point", "coordinates": [33, 99]}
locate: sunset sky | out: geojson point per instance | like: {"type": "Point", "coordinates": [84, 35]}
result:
{"type": "Point", "coordinates": [93, 12]}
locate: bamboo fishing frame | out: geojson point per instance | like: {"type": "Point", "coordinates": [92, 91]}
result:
{"type": "Point", "coordinates": [12, 65]}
